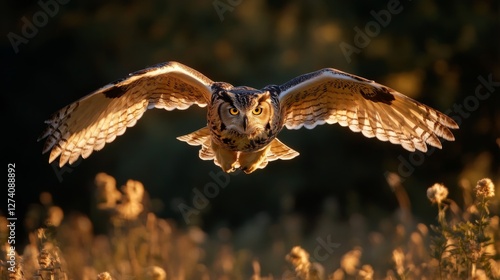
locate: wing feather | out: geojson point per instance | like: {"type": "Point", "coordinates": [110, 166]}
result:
{"type": "Point", "coordinates": [332, 96]}
{"type": "Point", "coordinates": [98, 118]}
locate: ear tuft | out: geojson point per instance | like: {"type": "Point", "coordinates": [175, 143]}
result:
{"type": "Point", "coordinates": [266, 96]}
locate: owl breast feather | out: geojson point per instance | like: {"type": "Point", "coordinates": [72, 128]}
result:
{"type": "Point", "coordinates": [235, 141]}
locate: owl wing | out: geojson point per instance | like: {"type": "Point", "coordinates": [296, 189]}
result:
{"type": "Point", "coordinates": [96, 119]}
{"type": "Point", "coordinates": [332, 96]}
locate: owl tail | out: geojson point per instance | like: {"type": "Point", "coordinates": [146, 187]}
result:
{"type": "Point", "coordinates": [200, 137]}
{"type": "Point", "coordinates": [196, 138]}
{"type": "Point", "coordinates": [276, 149]}
{"type": "Point", "coordinates": [279, 150]}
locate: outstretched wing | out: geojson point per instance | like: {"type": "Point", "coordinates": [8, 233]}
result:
{"type": "Point", "coordinates": [332, 96]}
{"type": "Point", "coordinates": [89, 123]}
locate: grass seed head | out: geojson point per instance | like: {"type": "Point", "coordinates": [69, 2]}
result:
{"type": "Point", "coordinates": [55, 216]}
{"type": "Point", "coordinates": [351, 261]}
{"type": "Point", "coordinates": [485, 188]}
{"type": "Point", "coordinates": [437, 193]}
{"type": "Point", "coordinates": [155, 273]}
{"type": "Point", "coordinates": [104, 276]}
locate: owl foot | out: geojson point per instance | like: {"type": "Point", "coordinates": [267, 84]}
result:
{"type": "Point", "coordinates": [229, 168]}
{"type": "Point", "coordinates": [251, 161]}
{"type": "Point", "coordinates": [227, 160]}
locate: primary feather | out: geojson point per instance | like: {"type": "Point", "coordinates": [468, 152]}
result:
{"type": "Point", "coordinates": [98, 118]}
{"type": "Point", "coordinates": [332, 96]}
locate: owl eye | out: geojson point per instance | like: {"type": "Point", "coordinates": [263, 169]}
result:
{"type": "Point", "coordinates": [233, 111]}
{"type": "Point", "coordinates": [257, 111]}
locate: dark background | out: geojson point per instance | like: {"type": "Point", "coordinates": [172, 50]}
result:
{"type": "Point", "coordinates": [432, 51]}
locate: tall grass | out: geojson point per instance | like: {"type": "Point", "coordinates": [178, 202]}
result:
{"type": "Point", "coordinates": [461, 244]}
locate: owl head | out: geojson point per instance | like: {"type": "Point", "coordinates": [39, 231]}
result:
{"type": "Point", "coordinates": [246, 110]}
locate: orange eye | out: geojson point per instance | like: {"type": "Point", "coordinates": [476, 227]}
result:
{"type": "Point", "coordinates": [233, 111]}
{"type": "Point", "coordinates": [257, 111]}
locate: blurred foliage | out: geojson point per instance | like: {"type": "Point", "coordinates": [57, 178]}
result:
{"type": "Point", "coordinates": [433, 51]}
{"type": "Point", "coordinates": [136, 243]}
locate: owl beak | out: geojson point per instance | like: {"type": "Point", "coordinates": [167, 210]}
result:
{"type": "Point", "coordinates": [245, 123]}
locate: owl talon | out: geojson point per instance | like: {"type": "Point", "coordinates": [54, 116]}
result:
{"type": "Point", "coordinates": [227, 160]}
{"type": "Point", "coordinates": [249, 170]}
{"type": "Point", "coordinates": [251, 161]}
{"type": "Point", "coordinates": [229, 169]}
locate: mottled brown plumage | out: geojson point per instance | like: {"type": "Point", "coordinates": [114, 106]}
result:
{"type": "Point", "coordinates": [243, 122]}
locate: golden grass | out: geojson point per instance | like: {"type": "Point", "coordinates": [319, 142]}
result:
{"type": "Point", "coordinates": [462, 244]}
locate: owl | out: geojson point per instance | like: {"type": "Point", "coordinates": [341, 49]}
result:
{"type": "Point", "coordinates": [243, 122]}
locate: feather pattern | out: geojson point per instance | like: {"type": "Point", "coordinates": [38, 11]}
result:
{"type": "Point", "coordinates": [332, 96]}
{"type": "Point", "coordinates": [243, 122]}
{"type": "Point", "coordinates": [98, 118]}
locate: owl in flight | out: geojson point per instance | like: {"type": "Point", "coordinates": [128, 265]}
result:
{"type": "Point", "coordinates": [243, 122]}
